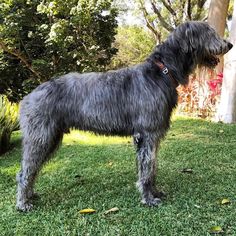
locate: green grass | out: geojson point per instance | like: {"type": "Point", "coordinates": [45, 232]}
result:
{"type": "Point", "coordinates": [99, 172]}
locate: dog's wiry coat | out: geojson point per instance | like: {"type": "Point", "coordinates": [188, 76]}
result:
{"type": "Point", "coordinates": [135, 101]}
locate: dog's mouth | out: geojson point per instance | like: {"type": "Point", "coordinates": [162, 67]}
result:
{"type": "Point", "coordinates": [211, 61]}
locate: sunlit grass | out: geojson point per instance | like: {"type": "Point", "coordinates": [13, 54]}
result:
{"type": "Point", "coordinates": [91, 139]}
{"type": "Point", "coordinates": [10, 170]}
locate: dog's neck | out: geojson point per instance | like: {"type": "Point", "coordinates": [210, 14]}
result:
{"type": "Point", "coordinates": [165, 71]}
{"type": "Point", "coordinates": [180, 64]}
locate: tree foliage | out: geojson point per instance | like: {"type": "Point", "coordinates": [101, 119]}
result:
{"type": "Point", "coordinates": [134, 44]}
{"type": "Point", "coordinates": [40, 39]}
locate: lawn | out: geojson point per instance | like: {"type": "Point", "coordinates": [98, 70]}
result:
{"type": "Point", "coordinates": [100, 172]}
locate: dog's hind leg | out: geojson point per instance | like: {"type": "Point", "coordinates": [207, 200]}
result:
{"type": "Point", "coordinates": [146, 161]}
{"type": "Point", "coordinates": [36, 151]}
{"type": "Point", "coordinates": [155, 192]}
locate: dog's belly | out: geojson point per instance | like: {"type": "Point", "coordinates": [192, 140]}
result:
{"type": "Point", "coordinates": [103, 124]}
{"type": "Point", "coordinates": [121, 124]}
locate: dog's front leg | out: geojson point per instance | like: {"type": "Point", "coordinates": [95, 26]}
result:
{"type": "Point", "coordinates": [146, 149]}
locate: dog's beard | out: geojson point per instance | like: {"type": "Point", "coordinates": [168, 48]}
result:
{"type": "Point", "coordinates": [211, 61]}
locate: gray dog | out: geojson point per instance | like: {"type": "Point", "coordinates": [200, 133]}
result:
{"type": "Point", "coordinates": [135, 101]}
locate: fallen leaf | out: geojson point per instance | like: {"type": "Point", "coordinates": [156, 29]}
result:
{"type": "Point", "coordinates": [110, 163]}
{"type": "Point", "coordinates": [216, 230]}
{"type": "Point", "coordinates": [225, 201]}
{"type": "Point", "coordinates": [112, 210]}
{"type": "Point", "coordinates": [187, 170]}
{"type": "Point", "coordinates": [87, 211]}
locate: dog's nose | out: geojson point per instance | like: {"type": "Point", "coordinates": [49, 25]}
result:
{"type": "Point", "coordinates": [230, 45]}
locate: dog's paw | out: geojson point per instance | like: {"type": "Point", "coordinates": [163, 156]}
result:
{"type": "Point", "coordinates": [151, 201]}
{"type": "Point", "coordinates": [158, 194]}
{"type": "Point", "coordinates": [33, 196]}
{"type": "Point", "coordinates": [26, 207]}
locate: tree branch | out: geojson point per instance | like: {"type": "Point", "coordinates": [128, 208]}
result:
{"type": "Point", "coordinates": [18, 55]}
{"type": "Point", "coordinates": [172, 12]}
{"type": "Point", "coordinates": [161, 19]}
{"type": "Point", "coordinates": [149, 24]}
{"type": "Point", "coordinates": [155, 32]}
{"type": "Point", "coordinates": [200, 4]}
{"type": "Point", "coordinates": [168, 7]}
{"type": "Point", "coordinates": [189, 9]}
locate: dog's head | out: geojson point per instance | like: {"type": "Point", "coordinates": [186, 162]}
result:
{"type": "Point", "coordinates": [202, 41]}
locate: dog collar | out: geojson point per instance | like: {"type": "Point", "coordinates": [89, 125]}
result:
{"type": "Point", "coordinates": [166, 72]}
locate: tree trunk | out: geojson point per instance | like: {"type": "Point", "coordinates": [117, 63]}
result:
{"type": "Point", "coordinates": [217, 19]}
{"type": "Point", "coordinates": [227, 108]}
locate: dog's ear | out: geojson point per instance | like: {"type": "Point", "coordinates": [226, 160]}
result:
{"type": "Point", "coordinates": [190, 36]}
{"type": "Point", "coordinates": [187, 40]}
{"type": "Point", "coordinates": [184, 46]}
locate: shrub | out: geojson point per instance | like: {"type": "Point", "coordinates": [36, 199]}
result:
{"type": "Point", "coordinates": [8, 122]}
{"type": "Point", "coordinates": [43, 39]}
{"type": "Point", "coordinates": [201, 96]}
